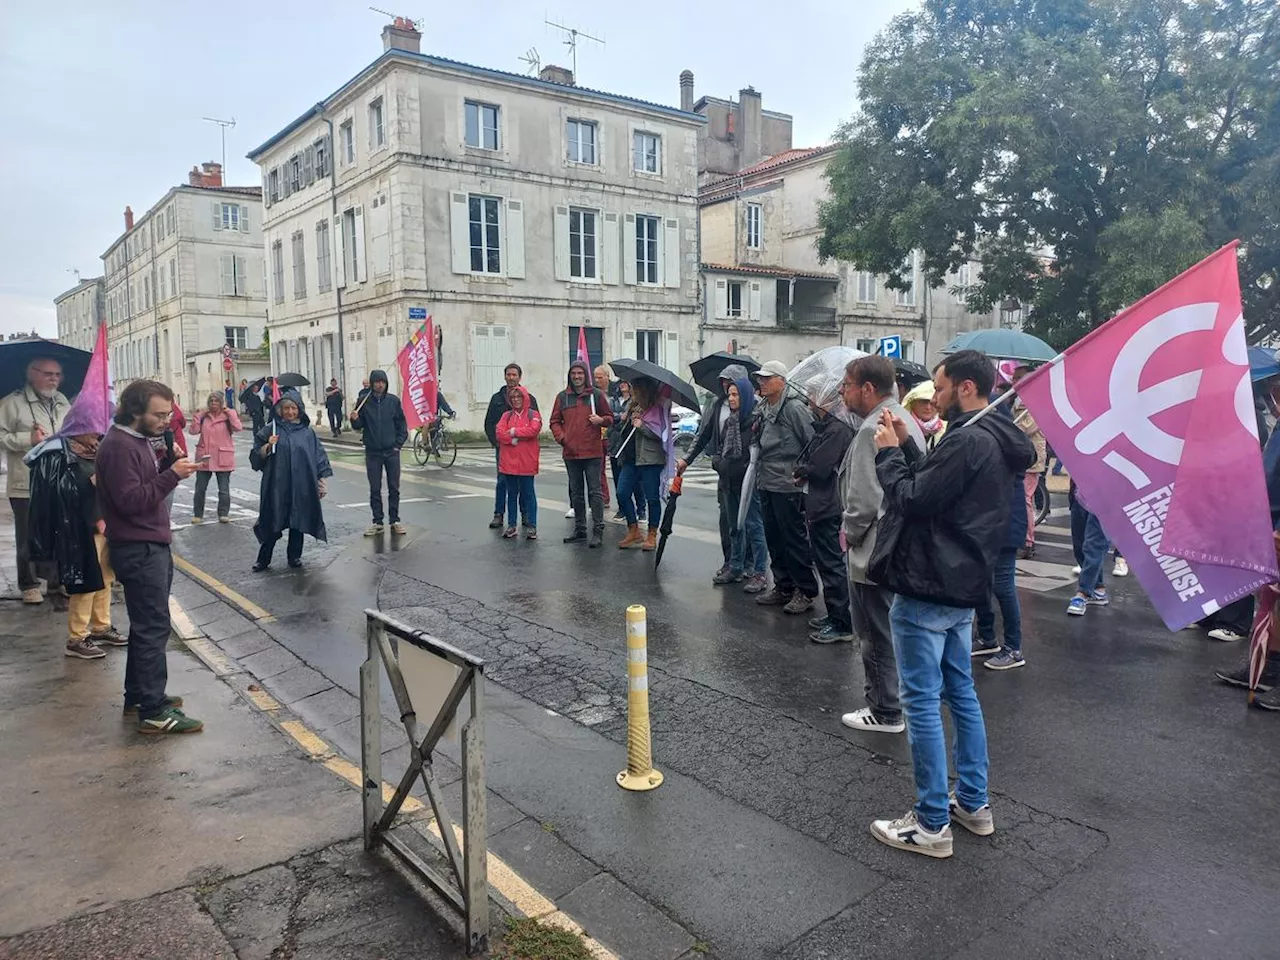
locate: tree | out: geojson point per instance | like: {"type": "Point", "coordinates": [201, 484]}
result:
{"type": "Point", "coordinates": [1083, 151]}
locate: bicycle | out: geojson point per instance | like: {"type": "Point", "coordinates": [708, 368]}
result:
{"type": "Point", "coordinates": [1040, 500]}
{"type": "Point", "coordinates": [434, 440]}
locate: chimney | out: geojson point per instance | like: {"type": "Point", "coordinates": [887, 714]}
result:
{"type": "Point", "coordinates": [686, 91]}
{"type": "Point", "coordinates": [206, 175]}
{"type": "Point", "coordinates": [554, 74]}
{"type": "Point", "coordinates": [128, 218]}
{"type": "Point", "coordinates": [750, 127]}
{"type": "Point", "coordinates": [402, 35]}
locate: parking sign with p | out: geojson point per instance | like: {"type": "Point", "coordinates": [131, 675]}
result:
{"type": "Point", "coordinates": [890, 347]}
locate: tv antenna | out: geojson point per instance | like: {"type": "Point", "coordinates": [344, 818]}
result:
{"type": "Point", "coordinates": [572, 34]}
{"type": "Point", "coordinates": [223, 124]}
{"type": "Point", "coordinates": [417, 24]}
{"type": "Point", "coordinates": [532, 60]}
{"type": "Point", "coordinates": [76, 272]}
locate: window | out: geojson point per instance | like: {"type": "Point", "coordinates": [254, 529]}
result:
{"type": "Point", "coordinates": [377, 133]}
{"type": "Point", "coordinates": [482, 125]}
{"type": "Point", "coordinates": [907, 297]}
{"type": "Point", "coordinates": [754, 215]}
{"type": "Point", "coordinates": [347, 138]}
{"type": "Point", "coordinates": [649, 346]}
{"type": "Point", "coordinates": [235, 275]}
{"type": "Point", "coordinates": [866, 287]}
{"type": "Point", "coordinates": [865, 345]}
{"type": "Point", "coordinates": [964, 279]}
{"type": "Point", "coordinates": [299, 266]}
{"type": "Point", "coordinates": [169, 218]}
{"type": "Point", "coordinates": [277, 271]}
{"type": "Point", "coordinates": [582, 244]}
{"type": "Point", "coordinates": [735, 298]}
{"type": "Point", "coordinates": [595, 345]}
{"type": "Point", "coordinates": [352, 247]}
{"type": "Point", "coordinates": [237, 337]}
{"type": "Point", "coordinates": [648, 152]}
{"type": "Point", "coordinates": [582, 141]}
{"type": "Point", "coordinates": [321, 150]}
{"type": "Point", "coordinates": [324, 267]}
{"type": "Point", "coordinates": [173, 277]}
{"type": "Point", "coordinates": [485, 253]}
{"type": "Point", "coordinates": [490, 352]}
{"type": "Point", "coordinates": [230, 216]}
{"type": "Point", "coordinates": [292, 175]}
{"type": "Point", "coordinates": [647, 249]}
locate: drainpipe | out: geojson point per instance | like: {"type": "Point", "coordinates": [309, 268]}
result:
{"type": "Point", "coordinates": [337, 290]}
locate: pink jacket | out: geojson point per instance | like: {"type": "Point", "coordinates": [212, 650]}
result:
{"type": "Point", "coordinates": [215, 432]}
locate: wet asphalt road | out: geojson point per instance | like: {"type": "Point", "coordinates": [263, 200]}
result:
{"type": "Point", "coordinates": [1134, 797]}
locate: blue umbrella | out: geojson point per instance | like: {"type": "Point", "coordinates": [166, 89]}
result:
{"type": "Point", "coordinates": [1263, 364]}
{"type": "Point", "coordinates": [1003, 344]}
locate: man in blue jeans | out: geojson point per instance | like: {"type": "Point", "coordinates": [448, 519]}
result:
{"type": "Point", "coordinates": [1090, 544]}
{"type": "Point", "coordinates": [951, 511]}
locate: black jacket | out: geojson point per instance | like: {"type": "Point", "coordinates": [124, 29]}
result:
{"type": "Point", "coordinates": [62, 513]}
{"type": "Point", "coordinates": [252, 402]}
{"type": "Point", "coordinates": [382, 421]}
{"type": "Point", "coordinates": [498, 405]}
{"type": "Point", "coordinates": [951, 509]}
{"type": "Point", "coordinates": [818, 464]}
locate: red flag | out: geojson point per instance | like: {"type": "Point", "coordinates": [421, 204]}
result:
{"type": "Point", "coordinates": [584, 356]}
{"type": "Point", "coordinates": [275, 393]}
{"type": "Point", "coordinates": [418, 373]}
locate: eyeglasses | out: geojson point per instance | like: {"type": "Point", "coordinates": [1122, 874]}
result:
{"type": "Point", "coordinates": [52, 374]}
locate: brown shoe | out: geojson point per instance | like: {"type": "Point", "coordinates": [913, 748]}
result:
{"type": "Point", "coordinates": [774, 598]}
{"type": "Point", "coordinates": [651, 541]}
{"type": "Point", "coordinates": [633, 538]}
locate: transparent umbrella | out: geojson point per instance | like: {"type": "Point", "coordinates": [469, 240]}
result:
{"type": "Point", "coordinates": [817, 379]}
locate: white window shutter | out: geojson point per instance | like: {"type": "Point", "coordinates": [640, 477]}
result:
{"type": "Point", "coordinates": [339, 254]}
{"type": "Point", "coordinates": [362, 272]}
{"type": "Point", "coordinates": [459, 233]}
{"type": "Point", "coordinates": [629, 343]}
{"type": "Point", "coordinates": [629, 251]}
{"type": "Point", "coordinates": [217, 215]}
{"type": "Point", "coordinates": [722, 299]}
{"type": "Point", "coordinates": [753, 307]}
{"type": "Point", "coordinates": [242, 277]}
{"type": "Point", "coordinates": [228, 283]}
{"type": "Point", "coordinates": [671, 355]}
{"type": "Point", "coordinates": [609, 249]}
{"type": "Point", "coordinates": [515, 238]}
{"type": "Point", "coordinates": [671, 254]}
{"type": "Point", "coordinates": [560, 237]}
{"type": "Point", "coordinates": [244, 219]}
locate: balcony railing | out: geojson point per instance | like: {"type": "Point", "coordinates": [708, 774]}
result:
{"type": "Point", "coordinates": [808, 318]}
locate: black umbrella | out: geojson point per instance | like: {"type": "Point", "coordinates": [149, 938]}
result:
{"type": "Point", "coordinates": [911, 371]}
{"type": "Point", "coordinates": [706, 370]}
{"type": "Point", "coordinates": [15, 355]}
{"type": "Point", "coordinates": [292, 380]}
{"type": "Point", "coordinates": [635, 369]}
{"type": "Point", "coordinates": [668, 518]}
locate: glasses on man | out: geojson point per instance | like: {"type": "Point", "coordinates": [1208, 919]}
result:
{"type": "Point", "coordinates": [48, 374]}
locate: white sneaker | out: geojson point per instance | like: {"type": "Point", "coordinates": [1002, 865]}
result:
{"type": "Point", "coordinates": [1226, 635]}
{"type": "Point", "coordinates": [979, 821]}
{"type": "Point", "coordinates": [569, 514]}
{"type": "Point", "coordinates": [864, 719]}
{"type": "Point", "coordinates": [1075, 571]}
{"type": "Point", "coordinates": [906, 833]}
{"type": "Point", "coordinates": [374, 530]}
{"type": "Point", "coordinates": [1121, 568]}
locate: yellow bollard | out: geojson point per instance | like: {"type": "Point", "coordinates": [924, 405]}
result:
{"type": "Point", "coordinates": [639, 774]}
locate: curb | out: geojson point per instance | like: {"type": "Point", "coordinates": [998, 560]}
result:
{"type": "Point", "coordinates": [509, 886]}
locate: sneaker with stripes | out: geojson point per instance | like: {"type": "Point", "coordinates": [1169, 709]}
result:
{"type": "Point", "coordinates": [908, 833]}
{"type": "Point", "coordinates": [170, 720]}
{"type": "Point", "coordinates": [864, 718]}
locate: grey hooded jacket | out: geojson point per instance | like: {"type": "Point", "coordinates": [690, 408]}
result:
{"type": "Point", "coordinates": [785, 429]}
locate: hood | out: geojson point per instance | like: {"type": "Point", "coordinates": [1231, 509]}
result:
{"type": "Point", "coordinates": [568, 379]}
{"type": "Point", "coordinates": [375, 375]}
{"type": "Point", "coordinates": [1017, 450]}
{"type": "Point", "coordinates": [734, 372]}
{"type": "Point", "coordinates": [526, 410]}
{"type": "Point", "coordinates": [290, 393]}
{"type": "Point", "coordinates": [746, 392]}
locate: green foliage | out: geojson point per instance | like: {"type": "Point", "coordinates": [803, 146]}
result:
{"type": "Point", "coordinates": [529, 939]}
{"type": "Point", "coordinates": [1084, 151]}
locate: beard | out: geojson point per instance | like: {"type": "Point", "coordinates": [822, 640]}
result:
{"type": "Point", "coordinates": [46, 394]}
{"type": "Point", "coordinates": [952, 412]}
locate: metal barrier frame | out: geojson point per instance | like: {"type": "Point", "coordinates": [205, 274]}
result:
{"type": "Point", "coordinates": [470, 896]}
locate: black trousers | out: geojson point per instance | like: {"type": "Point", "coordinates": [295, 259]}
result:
{"type": "Point", "coordinates": [824, 539]}
{"type": "Point", "coordinates": [293, 549]}
{"type": "Point", "coordinates": [375, 464]}
{"type": "Point", "coordinates": [584, 491]}
{"type": "Point", "coordinates": [259, 419]}
{"type": "Point", "coordinates": [21, 530]}
{"type": "Point", "coordinates": [784, 532]}
{"type": "Point", "coordinates": [146, 572]}
{"type": "Point", "coordinates": [335, 420]}
{"type": "Point", "coordinates": [875, 636]}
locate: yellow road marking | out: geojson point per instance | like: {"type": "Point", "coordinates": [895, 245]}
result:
{"type": "Point", "coordinates": [182, 623]}
{"type": "Point", "coordinates": [220, 588]}
{"type": "Point", "coordinates": [214, 659]}
{"type": "Point", "coordinates": [305, 738]}
{"type": "Point", "coordinates": [262, 700]}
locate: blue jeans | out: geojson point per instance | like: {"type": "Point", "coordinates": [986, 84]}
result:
{"type": "Point", "coordinates": [1004, 591]}
{"type": "Point", "coordinates": [933, 645]}
{"type": "Point", "coordinates": [746, 543]}
{"type": "Point", "coordinates": [499, 491]}
{"type": "Point", "coordinates": [1090, 544]}
{"type": "Point", "coordinates": [647, 479]}
{"type": "Point", "coordinates": [522, 501]}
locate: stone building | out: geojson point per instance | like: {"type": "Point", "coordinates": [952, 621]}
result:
{"type": "Point", "coordinates": [80, 311]}
{"type": "Point", "coordinates": [514, 210]}
{"type": "Point", "coordinates": [183, 280]}
{"type": "Point", "coordinates": [738, 133]}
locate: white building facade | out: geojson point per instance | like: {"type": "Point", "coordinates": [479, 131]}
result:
{"type": "Point", "coordinates": [184, 279]}
{"type": "Point", "coordinates": [513, 210]}
{"type": "Point", "coordinates": [767, 293]}
{"type": "Point", "coordinates": [80, 311]}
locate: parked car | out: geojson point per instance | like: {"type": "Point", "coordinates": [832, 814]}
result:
{"type": "Point", "coordinates": [686, 423]}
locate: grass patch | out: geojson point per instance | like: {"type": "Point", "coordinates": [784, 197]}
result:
{"type": "Point", "coordinates": [529, 939]}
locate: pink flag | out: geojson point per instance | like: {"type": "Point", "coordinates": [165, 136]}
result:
{"type": "Point", "coordinates": [418, 373]}
{"type": "Point", "coordinates": [583, 355]}
{"type": "Point", "coordinates": [1152, 414]}
{"type": "Point", "coordinates": [95, 404]}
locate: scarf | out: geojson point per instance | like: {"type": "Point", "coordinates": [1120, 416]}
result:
{"type": "Point", "coordinates": [731, 444]}
{"type": "Point", "coordinates": [928, 427]}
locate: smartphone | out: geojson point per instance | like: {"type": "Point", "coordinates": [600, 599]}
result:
{"type": "Point", "coordinates": [205, 459]}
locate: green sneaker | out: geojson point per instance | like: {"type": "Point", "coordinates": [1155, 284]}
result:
{"type": "Point", "coordinates": [172, 720]}
{"type": "Point", "coordinates": [170, 703]}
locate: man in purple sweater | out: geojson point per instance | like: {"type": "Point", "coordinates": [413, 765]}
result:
{"type": "Point", "coordinates": [132, 486]}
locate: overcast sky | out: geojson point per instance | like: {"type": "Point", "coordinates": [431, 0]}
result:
{"type": "Point", "coordinates": [102, 103]}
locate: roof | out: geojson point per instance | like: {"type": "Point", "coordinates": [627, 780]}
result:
{"type": "Point", "coordinates": [489, 72]}
{"type": "Point", "coordinates": [82, 285]}
{"type": "Point", "coordinates": [760, 270]}
{"type": "Point", "coordinates": [768, 164]}
{"type": "Point", "coordinates": [252, 193]}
